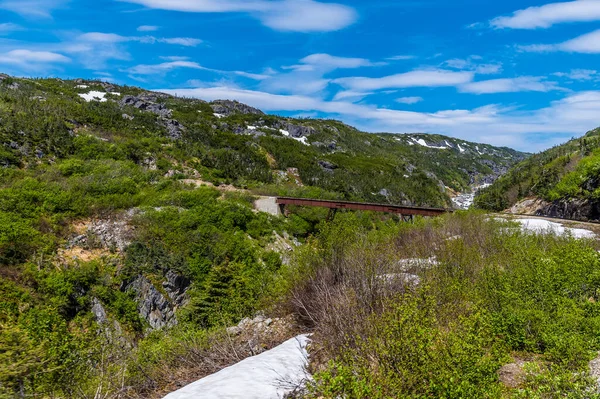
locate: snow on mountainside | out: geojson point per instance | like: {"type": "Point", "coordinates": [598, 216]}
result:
{"type": "Point", "coordinates": [270, 375]}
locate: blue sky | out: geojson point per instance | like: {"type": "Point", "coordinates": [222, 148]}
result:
{"type": "Point", "coordinates": [518, 73]}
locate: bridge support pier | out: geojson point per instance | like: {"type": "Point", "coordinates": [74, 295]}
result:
{"type": "Point", "coordinates": [331, 214]}
{"type": "Point", "coordinates": [407, 218]}
{"type": "Point", "coordinates": [283, 210]}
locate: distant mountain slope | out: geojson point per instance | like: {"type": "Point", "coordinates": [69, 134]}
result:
{"type": "Point", "coordinates": [228, 142]}
{"type": "Point", "coordinates": [563, 182]}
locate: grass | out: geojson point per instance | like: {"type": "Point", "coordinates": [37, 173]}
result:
{"type": "Point", "coordinates": [495, 295]}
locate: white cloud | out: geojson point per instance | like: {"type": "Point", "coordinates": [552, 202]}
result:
{"type": "Point", "coordinates": [182, 41]}
{"type": "Point", "coordinates": [326, 61]}
{"type": "Point", "coordinates": [409, 100]}
{"type": "Point", "coordinates": [163, 68]}
{"type": "Point", "coordinates": [550, 14]}
{"type": "Point", "coordinates": [25, 56]}
{"type": "Point", "coordinates": [8, 27]}
{"type": "Point", "coordinates": [401, 58]}
{"type": "Point", "coordinates": [253, 76]}
{"type": "Point", "coordinates": [32, 8]}
{"type": "Point", "coordinates": [32, 60]}
{"type": "Point", "coordinates": [471, 64]}
{"type": "Point", "coordinates": [527, 130]}
{"type": "Point", "coordinates": [147, 28]}
{"type": "Point", "coordinates": [509, 85]}
{"type": "Point", "coordinates": [588, 43]}
{"type": "Point", "coordinates": [99, 37]}
{"type": "Point", "coordinates": [418, 78]}
{"type": "Point", "coordinates": [309, 76]}
{"type": "Point", "coordinates": [580, 74]}
{"type": "Point", "coordinates": [282, 15]}
{"type": "Point", "coordinates": [351, 95]}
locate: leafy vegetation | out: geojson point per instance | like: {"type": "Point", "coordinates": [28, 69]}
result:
{"type": "Point", "coordinates": [108, 209]}
{"type": "Point", "coordinates": [493, 296]}
{"type": "Point", "coordinates": [568, 171]}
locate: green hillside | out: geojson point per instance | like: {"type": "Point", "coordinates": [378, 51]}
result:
{"type": "Point", "coordinates": [565, 175]}
{"type": "Point", "coordinates": [47, 121]}
{"type": "Point", "coordinates": [128, 236]}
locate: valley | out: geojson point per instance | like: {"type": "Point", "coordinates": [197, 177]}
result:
{"type": "Point", "coordinates": [142, 250]}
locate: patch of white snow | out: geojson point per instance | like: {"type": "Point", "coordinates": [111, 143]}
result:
{"type": "Point", "coordinates": [219, 115]}
{"type": "Point", "coordinates": [270, 375]}
{"type": "Point", "coordinates": [424, 144]}
{"type": "Point", "coordinates": [462, 150]}
{"type": "Point", "coordinates": [284, 132]}
{"type": "Point", "coordinates": [94, 96]}
{"type": "Point", "coordinates": [540, 226]}
{"type": "Point", "coordinates": [82, 86]}
{"type": "Point", "coordinates": [251, 127]}
{"type": "Point", "coordinates": [303, 140]}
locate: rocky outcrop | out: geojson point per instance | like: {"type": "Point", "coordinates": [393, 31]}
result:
{"type": "Point", "coordinates": [512, 375]}
{"type": "Point", "coordinates": [148, 102]}
{"type": "Point", "coordinates": [176, 287]}
{"type": "Point", "coordinates": [156, 306]}
{"type": "Point", "coordinates": [577, 209]}
{"type": "Point", "coordinates": [227, 107]}
{"type": "Point", "coordinates": [174, 128]}
{"type": "Point", "coordinates": [114, 233]}
{"type": "Point", "coordinates": [328, 166]}
{"type": "Point", "coordinates": [153, 306]}
{"type": "Point", "coordinates": [295, 131]}
{"type": "Point", "coordinates": [574, 209]}
{"type": "Point", "coordinates": [99, 312]}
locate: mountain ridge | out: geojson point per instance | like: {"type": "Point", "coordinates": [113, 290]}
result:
{"type": "Point", "coordinates": [236, 142]}
{"type": "Point", "coordinates": [560, 182]}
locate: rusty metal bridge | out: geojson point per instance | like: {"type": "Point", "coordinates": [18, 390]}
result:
{"type": "Point", "coordinates": [405, 212]}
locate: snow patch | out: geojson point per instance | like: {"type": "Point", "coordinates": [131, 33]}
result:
{"type": "Point", "coordinates": [284, 132]}
{"type": "Point", "coordinates": [252, 127]}
{"type": "Point", "coordinates": [303, 140]}
{"type": "Point", "coordinates": [94, 96]}
{"type": "Point", "coordinates": [219, 115]}
{"type": "Point", "coordinates": [270, 375]}
{"type": "Point", "coordinates": [82, 86]}
{"type": "Point", "coordinates": [541, 226]}
{"type": "Point", "coordinates": [462, 150]}
{"type": "Point", "coordinates": [424, 144]}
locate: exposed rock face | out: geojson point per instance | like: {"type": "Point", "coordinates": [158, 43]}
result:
{"type": "Point", "coordinates": [114, 233]}
{"type": "Point", "coordinates": [575, 209]}
{"type": "Point", "coordinates": [529, 206]}
{"type": "Point", "coordinates": [512, 375]}
{"type": "Point", "coordinates": [176, 287]}
{"type": "Point", "coordinates": [174, 128]}
{"type": "Point", "coordinates": [328, 166]}
{"type": "Point", "coordinates": [99, 312]}
{"type": "Point", "coordinates": [594, 366]}
{"type": "Point", "coordinates": [152, 305]}
{"type": "Point", "coordinates": [146, 103]}
{"type": "Point", "coordinates": [156, 308]}
{"type": "Point", "coordinates": [295, 131]}
{"type": "Point", "coordinates": [227, 107]}
{"type": "Point", "coordinates": [583, 210]}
